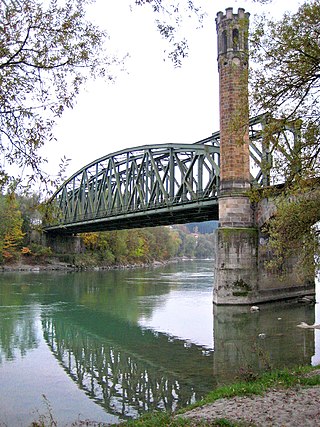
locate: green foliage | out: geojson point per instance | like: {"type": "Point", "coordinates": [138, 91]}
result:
{"type": "Point", "coordinates": [144, 245]}
{"type": "Point", "coordinates": [165, 419]}
{"type": "Point", "coordinates": [48, 50]}
{"type": "Point", "coordinates": [11, 234]}
{"type": "Point", "coordinates": [130, 246]}
{"type": "Point", "coordinates": [188, 243]}
{"type": "Point", "coordinates": [285, 83]}
{"type": "Point", "coordinates": [194, 244]}
{"type": "Point", "coordinates": [299, 376]}
{"type": "Point", "coordinates": [278, 379]}
{"type": "Point", "coordinates": [29, 208]}
{"type": "Point", "coordinates": [39, 252]}
{"type": "Point", "coordinates": [294, 232]}
{"type": "Point", "coordinates": [205, 246]}
{"type": "Point", "coordinates": [170, 17]}
{"type": "Point", "coordinates": [18, 217]}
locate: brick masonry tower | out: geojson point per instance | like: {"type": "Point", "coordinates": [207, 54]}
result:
{"type": "Point", "coordinates": [233, 56]}
{"type": "Point", "coordinates": [236, 237]}
{"type": "Point", "coordinates": [240, 252]}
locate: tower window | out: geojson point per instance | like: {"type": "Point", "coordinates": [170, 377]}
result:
{"type": "Point", "coordinates": [224, 42]}
{"type": "Point", "coordinates": [235, 39]}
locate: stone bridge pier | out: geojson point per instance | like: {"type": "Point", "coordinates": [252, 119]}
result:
{"type": "Point", "coordinates": [240, 273]}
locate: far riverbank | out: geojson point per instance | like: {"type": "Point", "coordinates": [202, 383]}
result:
{"type": "Point", "coordinates": [62, 266]}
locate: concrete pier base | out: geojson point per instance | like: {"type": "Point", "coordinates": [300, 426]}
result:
{"type": "Point", "coordinates": [241, 276]}
{"type": "Point", "coordinates": [236, 271]}
{"type": "Point", "coordinates": [63, 244]}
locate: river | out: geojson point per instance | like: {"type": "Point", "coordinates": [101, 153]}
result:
{"type": "Point", "coordinates": [112, 345]}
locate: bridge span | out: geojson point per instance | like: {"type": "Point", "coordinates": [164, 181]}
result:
{"type": "Point", "coordinates": [147, 186]}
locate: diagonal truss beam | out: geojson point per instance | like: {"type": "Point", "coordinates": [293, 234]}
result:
{"type": "Point", "coordinates": [139, 182]}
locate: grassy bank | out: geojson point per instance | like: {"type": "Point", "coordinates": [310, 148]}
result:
{"type": "Point", "coordinates": [293, 379]}
{"type": "Point", "coordinates": [305, 376]}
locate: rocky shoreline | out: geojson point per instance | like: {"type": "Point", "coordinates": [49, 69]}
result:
{"type": "Point", "coordinates": [294, 406]}
{"type": "Point", "coordinates": [60, 266]}
{"type": "Point", "coordinates": [276, 408]}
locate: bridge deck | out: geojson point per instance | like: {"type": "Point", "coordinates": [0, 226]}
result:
{"type": "Point", "coordinates": [179, 214]}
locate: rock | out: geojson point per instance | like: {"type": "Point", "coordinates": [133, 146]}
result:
{"type": "Point", "coordinates": [305, 325]}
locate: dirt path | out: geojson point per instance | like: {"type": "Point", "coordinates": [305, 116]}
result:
{"type": "Point", "coordinates": [297, 407]}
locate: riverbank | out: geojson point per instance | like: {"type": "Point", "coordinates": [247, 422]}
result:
{"type": "Point", "coordinates": [55, 265]}
{"type": "Point", "coordinates": [292, 407]}
{"type": "Point", "coordinates": [288, 398]}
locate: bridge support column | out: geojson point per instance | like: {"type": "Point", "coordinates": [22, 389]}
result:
{"type": "Point", "coordinates": [240, 273]}
{"type": "Point", "coordinates": [63, 244]}
{"type": "Point", "coordinates": [236, 238]}
{"type": "Point", "coordinates": [236, 272]}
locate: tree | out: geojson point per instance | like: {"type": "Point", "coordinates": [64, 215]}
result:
{"type": "Point", "coordinates": [47, 52]}
{"type": "Point", "coordinates": [170, 17]}
{"type": "Point", "coordinates": [205, 246]}
{"type": "Point", "coordinates": [286, 84]}
{"type": "Point", "coordinates": [293, 231]}
{"type": "Point", "coordinates": [11, 234]}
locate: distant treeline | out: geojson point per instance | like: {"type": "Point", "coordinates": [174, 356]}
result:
{"type": "Point", "coordinates": [20, 216]}
{"type": "Point", "coordinates": [144, 245]}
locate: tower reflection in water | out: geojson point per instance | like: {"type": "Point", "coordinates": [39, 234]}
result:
{"type": "Point", "coordinates": [248, 342]}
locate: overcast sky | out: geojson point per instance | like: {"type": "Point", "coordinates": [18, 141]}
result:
{"type": "Point", "coordinates": [151, 102]}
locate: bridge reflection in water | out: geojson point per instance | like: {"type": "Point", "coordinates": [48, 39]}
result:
{"type": "Point", "coordinates": [130, 370]}
{"type": "Point", "coordinates": [127, 369]}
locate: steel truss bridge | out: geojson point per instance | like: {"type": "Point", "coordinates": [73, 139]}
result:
{"type": "Point", "coordinates": [151, 185]}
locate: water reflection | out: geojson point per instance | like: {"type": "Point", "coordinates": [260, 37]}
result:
{"type": "Point", "coordinates": [18, 333]}
{"type": "Point", "coordinates": [126, 369]}
{"type": "Point", "coordinates": [140, 340]}
{"type": "Point", "coordinates": [250, 342]}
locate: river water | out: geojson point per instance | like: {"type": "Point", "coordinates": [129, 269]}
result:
{"type": "Point", "coordinates": [111, 345]}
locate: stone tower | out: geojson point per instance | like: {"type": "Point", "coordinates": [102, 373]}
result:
{"type": "Point", "coordinates": [233, 56]}
{"type": "Point", "coordinates": [240, 253]}
{"type": "Point", "coordinates": [236, 237]}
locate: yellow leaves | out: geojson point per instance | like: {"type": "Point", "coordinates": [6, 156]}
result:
{"type": "Point", "coordinates": [25, 251]}
{"type": "Point", "coordinates": [90, 240]}
{"type": "Point", "coordinates": [11, 233]}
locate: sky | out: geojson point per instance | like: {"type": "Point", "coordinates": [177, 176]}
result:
{"type": "Point", "coordinates": [151, 102]}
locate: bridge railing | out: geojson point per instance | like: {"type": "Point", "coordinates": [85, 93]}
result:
{"type": "Point", "coordinates": [260, 155]}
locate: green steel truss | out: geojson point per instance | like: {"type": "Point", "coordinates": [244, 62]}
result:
{"type": "Point", "coordinates": [138, 187]}
{"type": "Point", "coordinates": [154, 184]}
